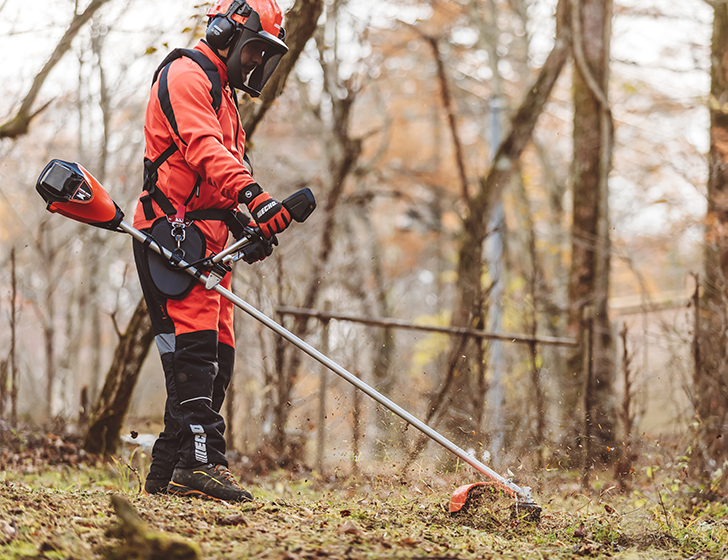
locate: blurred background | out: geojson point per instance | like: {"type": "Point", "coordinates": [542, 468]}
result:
{"type": "Point", "coordinates": [393, 116]}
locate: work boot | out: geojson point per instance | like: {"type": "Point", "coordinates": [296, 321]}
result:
{"type": "Point", "coordinates": [156, 485]}
{"type": "Point", "coordinates": [208, 481]}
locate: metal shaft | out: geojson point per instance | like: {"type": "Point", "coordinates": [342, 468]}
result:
{"type": "Point", "coordinates": [523, 494]}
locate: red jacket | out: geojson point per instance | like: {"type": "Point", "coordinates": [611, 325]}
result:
{"type": "Point", "coordinates": [210, 145]}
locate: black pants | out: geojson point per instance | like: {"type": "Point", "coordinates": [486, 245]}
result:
{"type": "Point", "coordinates": [197, 371]}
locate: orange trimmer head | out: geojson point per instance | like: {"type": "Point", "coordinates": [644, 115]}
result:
{"type": "Point", "coordinates": [500, 501]}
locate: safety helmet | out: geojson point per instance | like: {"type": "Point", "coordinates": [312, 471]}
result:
{"type": "Point", "coordinates": [234, 24]}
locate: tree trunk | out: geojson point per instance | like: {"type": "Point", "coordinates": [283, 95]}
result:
{"type": "Point", "coordinates": [3, 389]}
{"type": "Point", "coordinates": [107, 416]}
{"type": "Point", "coordinates": [49, 344]}
{"type": "Point", "coordinates": [589, 274]}
{"type": "Point", "coordinates": [458, 381]}
{"type": "Point", "coordinates": [13, 332]}
{"type": "Point", "coordinates": [711, 382]}
{"type": "Point", "coordinates": [342, 153]}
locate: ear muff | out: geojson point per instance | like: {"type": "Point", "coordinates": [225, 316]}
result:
{"type": "Point", "coordinates": [221, 32]}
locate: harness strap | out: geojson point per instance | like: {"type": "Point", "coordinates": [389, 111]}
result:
{"type": "Point", "coordinates": [234, 219]}
{"type": "Point", "coordinates": [150, 185]}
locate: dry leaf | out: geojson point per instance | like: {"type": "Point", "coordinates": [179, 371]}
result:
{"type": "Point", "coordinates": [234, 519]}
{"type": "Point", "coordinates": [8, 531]}
{"type": "Point", "coordinates": [349, 528]}
{"type": "Point", "coordinates": [410, 541]}
{"type": "Point", "coordinates": [581, 532]}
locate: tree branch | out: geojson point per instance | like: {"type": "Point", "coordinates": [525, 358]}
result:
{"type": "Point", "coordinates": [19, 124]}
{"type": "Point", "coordinates": [448, 106]}
{"type": "Point", "coordinates": [301, 20]}
{"type": "Point", "coordinates": [580, 58]}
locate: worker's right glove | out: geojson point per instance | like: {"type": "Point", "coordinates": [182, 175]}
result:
{"type": "Point", "coordinates": [270, 215]}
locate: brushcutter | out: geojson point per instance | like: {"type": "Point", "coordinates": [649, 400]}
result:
{"type": "Point", "coordinates": [71, 191]}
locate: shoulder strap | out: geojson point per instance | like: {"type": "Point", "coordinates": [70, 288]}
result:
{"type": "Point", "coordinates": [203, 62]}
{"type": "Point", "coordinates": [151, 167]}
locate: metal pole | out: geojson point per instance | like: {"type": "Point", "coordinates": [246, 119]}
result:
{"type": "Point", "coordinates": [524, 494]}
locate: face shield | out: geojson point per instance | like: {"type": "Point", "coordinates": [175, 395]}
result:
{"type": "Point", "coordinates": [253, 80]}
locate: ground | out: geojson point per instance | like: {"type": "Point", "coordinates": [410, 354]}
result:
{"type": "Point", "coordinates": [51, 507]}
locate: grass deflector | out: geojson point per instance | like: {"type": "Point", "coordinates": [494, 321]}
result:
{"type": "Point", "coordinates": [71, 191]}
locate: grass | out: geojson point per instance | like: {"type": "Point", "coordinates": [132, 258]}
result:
{"type": "Point", "coordinates": [66, 512]}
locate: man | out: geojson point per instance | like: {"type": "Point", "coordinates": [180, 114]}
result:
{"type": "Point", "coordinates": [195, 176]}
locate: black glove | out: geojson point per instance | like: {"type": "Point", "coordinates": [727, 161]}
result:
{"type": "Point", "coordinates": [259, 249]}
{"type": "Point", "coordinates": [270, 215]}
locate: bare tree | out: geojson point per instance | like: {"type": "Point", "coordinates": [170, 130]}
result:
{"type": "Point", "coordinates": [301, 21]}
{"type": "Point", "coordinates": [13, 346]}
{"type": "Point", "coordinates": [590, 263]}
{"type": "Point", "coordinates": [54, 256]}
{"type": "Point", "coordinates": [342, 153]}
{"type": "Point", "coordinates": [460, 414]}
{"type": "Point", "coordinates": [109, 411]}
{"type": "Point", "coordinates": [19, 124]}
{"type": "Point", "coordinates": [711, 375]}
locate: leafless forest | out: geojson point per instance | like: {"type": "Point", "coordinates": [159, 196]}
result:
{"type": "Point", "coordinates": [545, 178]}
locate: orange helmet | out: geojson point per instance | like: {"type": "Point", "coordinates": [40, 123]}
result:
{"type": "Point", "coordinates": [269, 12]}
{"type": "Point", "coordinates": [235, 23]}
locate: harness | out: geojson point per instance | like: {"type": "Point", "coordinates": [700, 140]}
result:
{"type": "Point", "coordinates": [178, 217]}
{"type": "Point", "coordinates": [177, 231]}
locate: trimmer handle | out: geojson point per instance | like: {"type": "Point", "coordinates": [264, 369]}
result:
{"type": "Point", "coordinates": [300, 204]}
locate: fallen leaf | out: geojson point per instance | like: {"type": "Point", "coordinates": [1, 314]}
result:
{"type": "Point", "coordinates": [349, 528]}
{"type": "Point", "coordinates": [8, 531]}
{"type": "Point", "coordinates": [581, 532]}
{"type": "Point", "coordinates": [586, 549]}
{"type": "Point", "coordinates": [410, 541]}
{"type": "Point", "coordinates": [234, 519]}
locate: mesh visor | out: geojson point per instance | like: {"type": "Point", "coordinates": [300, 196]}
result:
{"type": "Point", "coordinates": [255, 80]}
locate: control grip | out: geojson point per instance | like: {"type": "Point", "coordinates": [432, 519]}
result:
{"type": "Point", "coordinates": [300, 204]}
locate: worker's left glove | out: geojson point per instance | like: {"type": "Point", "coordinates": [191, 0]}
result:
{"type": "Point", "coordinates": [259, 249]}
{"type": "Point", "coordinates": [270, 215]}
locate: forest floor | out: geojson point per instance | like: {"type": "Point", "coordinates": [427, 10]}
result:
{"type": "Point", "coordinates": [54, 506]}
